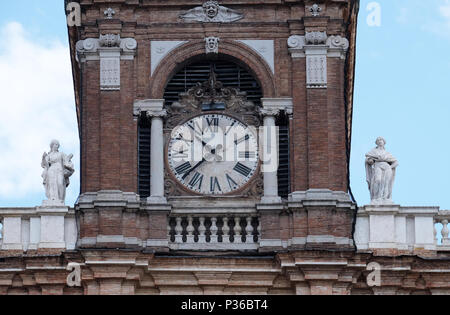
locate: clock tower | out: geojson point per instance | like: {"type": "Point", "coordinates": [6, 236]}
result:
{"type": "Point", "coordinates": [212, 128]}
{"type": "Point", "coordinates": [225, 131]}
{"type": "Point", "coordinates": [215, 143]}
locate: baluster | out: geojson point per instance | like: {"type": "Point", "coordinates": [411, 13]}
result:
{"type": "Point", "coordinates": [169, 229]}
{"type": "Point", "coordinates": [435, 232]}
{"type": "Point", "coordinates": [190, 230]}
{"type": "Point", "coordinates": [237, 230]}
{"type": "Point", "coordinates": [259, 229]}
{"type": "Point", "coordinates": [214, 230]}
{"type": "Point", "coordinates": [226, 231]}
{"type": "Point", "coordinates": [178, 231]}
{"type": "Point", "coordinates": [445, 232]}
{"type": "Point", "coordinates": [201, 231]}
{"type": "Point", "coordinates": [249, 231]}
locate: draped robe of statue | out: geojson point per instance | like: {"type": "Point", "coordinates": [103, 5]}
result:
{"type": "Point", "coordinates": [380, 174]}
{"type": "Point", "coordinates": [58, 167]}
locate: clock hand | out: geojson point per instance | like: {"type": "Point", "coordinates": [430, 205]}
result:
{"type": "Point", "coordinates": [201, 140]}
{"type": "Point", "coordinates": [194, 168]}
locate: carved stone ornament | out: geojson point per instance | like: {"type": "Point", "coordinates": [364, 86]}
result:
{"type": "Point", "coordinates": [89, 48]}
{"type": "Point", "coordinates": [338, 42]}
{"type": "Point", "coordinates": [109, 13]}
{"type": "Point", "coordinates": [212, 12]}
{"type": "Point", "coordinates": [315, 10]}
{"type": "Point", "coordinates": [212, 45]}
{"type": "Point", "coordinates": [109, 40]}
{"type": "Point", "coordinates": [213, 96]}
{"type": "Point", "coordinates": [58, 167]}
{"type": "Point", "coordinates": [380, 173]}
{"type": "Point", "coordinates": [316, 38]}
{"type": "Point", "coordinates": [296, 42]}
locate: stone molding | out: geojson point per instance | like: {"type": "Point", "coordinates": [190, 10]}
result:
{"type": "Point", "coordinates": [319, 198]}
{"type": "Point", "coordinates": [107, 198]}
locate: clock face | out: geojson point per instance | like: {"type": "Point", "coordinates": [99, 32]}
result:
{"type": "Point", "coordinates": [213, 154]}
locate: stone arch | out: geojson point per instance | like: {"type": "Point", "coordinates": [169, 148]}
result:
{"type": "Point", "coordinates": [192, 51]}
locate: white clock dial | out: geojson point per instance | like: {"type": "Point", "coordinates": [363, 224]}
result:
{"type": "Point", "coordinates": [213, 154]}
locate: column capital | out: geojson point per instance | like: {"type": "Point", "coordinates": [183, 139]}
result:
{"type": "Point", "coordinates": [273, 106]}
{"type": "Point", "coordinates": [332, 46]}
{"type": "Point", "coordinates": [269, 112]}
{"type": "Point", "coordinates": [93, 48]}
{"type": "Point", "coordinates": [152, 108]}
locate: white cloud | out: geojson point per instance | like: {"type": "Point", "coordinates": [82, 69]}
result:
{"type": "Point", "coordinates": [445, 10]}
{"type": "Point", "coordinates": [440, 23]}
{"type": "Point", "coordinates": [36, 105]}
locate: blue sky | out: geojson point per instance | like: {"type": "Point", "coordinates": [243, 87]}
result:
{"type": "Point", "coordinates": [401, 93]}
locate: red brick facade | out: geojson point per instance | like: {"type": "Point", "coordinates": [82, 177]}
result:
{"type": "Point", "coordinates": [108, 130]}
{"type": "Point", "coordinates": [305, 244]}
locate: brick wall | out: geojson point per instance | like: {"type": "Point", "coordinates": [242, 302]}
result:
{"type": "Point", "coordinates": [109, 132]}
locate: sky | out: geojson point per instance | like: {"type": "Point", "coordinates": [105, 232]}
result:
{"type": "Point", "coordinates": [401, 93]}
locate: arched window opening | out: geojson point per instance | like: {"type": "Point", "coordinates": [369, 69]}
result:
{"type": "Point", "coordinates": [231, 75]}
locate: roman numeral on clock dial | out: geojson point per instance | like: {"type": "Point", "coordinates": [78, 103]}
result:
{"type": "Point", "coordinates": [243, 139]}
{"type": "Point", "coordinates": [242, 169]}
{"type": "Point", "coordinates": [196, 181]}
{"type": "Point", "coordinates": [233, 185]}
{"type": "Point", "coordinates": [247, 155]}
{"type": "Point", "coordinates": [213, 124]}
{"type": "Point", "coordinates": [215, 186]}
{"type": "Point", "coordinates": [183, 168]}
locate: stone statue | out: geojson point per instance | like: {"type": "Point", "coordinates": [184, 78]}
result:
{"type": "Point", "coordinates": [58, 168]}
{"type": "Point", "coordinates": [211, 11]}
{"type": "Point", "coordinates": [380, 173]}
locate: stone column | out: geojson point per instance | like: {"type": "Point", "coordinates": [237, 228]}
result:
{"type": "Point", "coordinates": [156, 112]}
{"type": "Point", "coordinates": [157, 206]}
{"type": "Point", "coordinates": [270, 157]}
{"type": "Point", "coordinates": [271, 108]}
{"type": "Point", "coordinates": [157, 158]}
{"type": "Point", "coordinates": [271, 206]}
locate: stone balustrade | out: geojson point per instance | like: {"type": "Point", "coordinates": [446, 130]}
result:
{"type": "Point", "coordinates": [441, 222]}
{"type": "Point", "coordinates": [213, 232]}
{"type": "Point", "coordinates": [28, 229]}
{"type": "Point", "coordinates": [403, 230]}
{"type": "Point", "coordinates": [399, 229]}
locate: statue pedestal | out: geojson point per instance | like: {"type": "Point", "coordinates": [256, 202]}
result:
{"type": "Point", "coordinates": [51, 229]}
{"type": "Point", "coordinates": [52, 203]}
{"type": "Point", "coordinates": [392, 229]}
